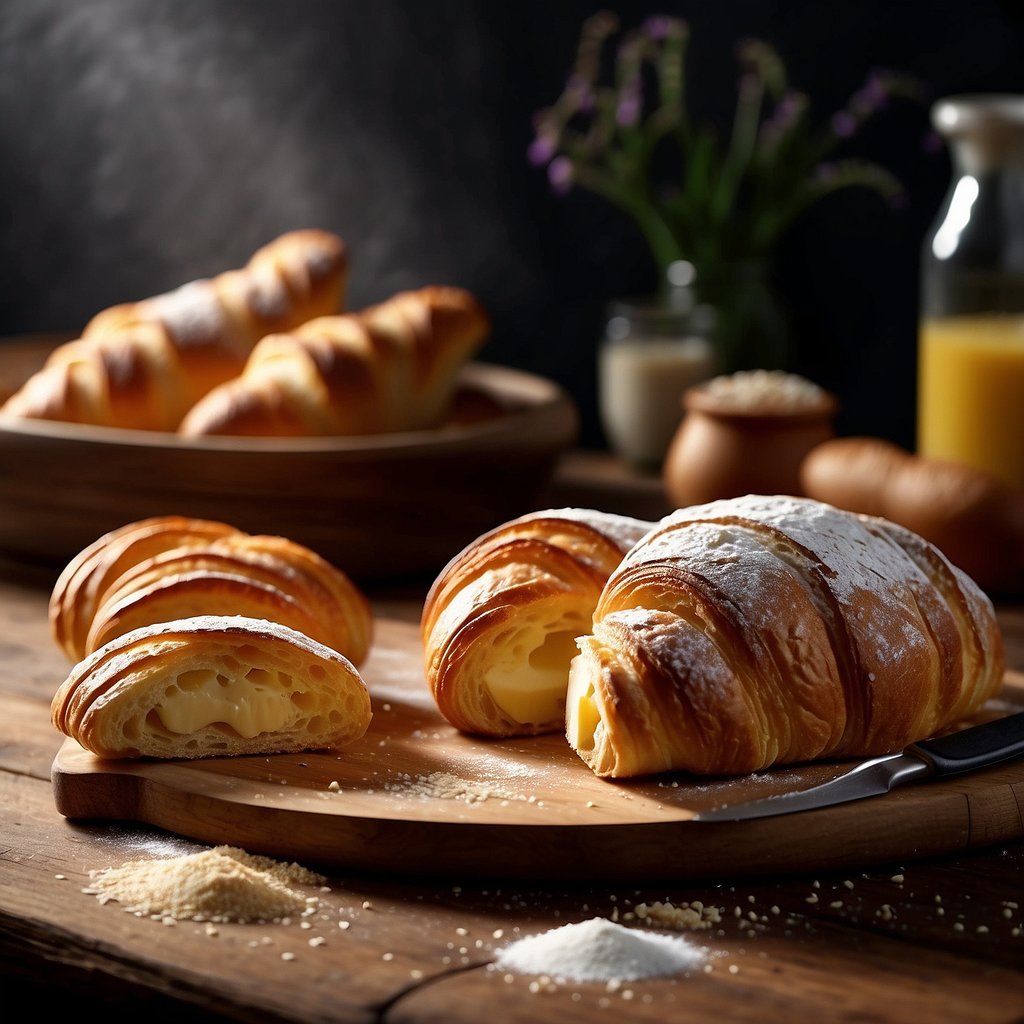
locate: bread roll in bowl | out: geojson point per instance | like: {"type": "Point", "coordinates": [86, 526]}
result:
{"type": "Point", "coordinates": [976, 520]}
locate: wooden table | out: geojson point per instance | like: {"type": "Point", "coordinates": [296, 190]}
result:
{"type": "Point", "coordinates": [939, 940]}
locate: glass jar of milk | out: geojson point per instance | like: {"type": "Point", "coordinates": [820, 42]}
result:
{"type": "Point", "coordinates": [652, 350]}
{"type": "Point", "coordinates": [971, 343]}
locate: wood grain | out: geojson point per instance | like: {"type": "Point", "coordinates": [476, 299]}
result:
{"type": "Point", "coordinates": [906, 940]}
{"type": "Point", "coordinates": [366, 808]}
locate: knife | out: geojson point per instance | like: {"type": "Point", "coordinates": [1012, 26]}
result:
{"type": "Point", "coordinates": [959, 752]}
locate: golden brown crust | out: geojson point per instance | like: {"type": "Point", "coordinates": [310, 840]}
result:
{"type": "Point", "coordinates": [390, 367]}
{"type": "Point", "coordinates": [770, 630]}
{"type": "Point", "coordinates": [169, 567]}
{"type": "Point", "coordinates": [85, 579]}
{"type": "Point", "coordinates": [515, 598]}
{"type": "Point", "coordinates": [211, 686]}
{"type": "Point", "coordinates": [142, 365]}
{"type": "Point", "coordinates": [974, 519]}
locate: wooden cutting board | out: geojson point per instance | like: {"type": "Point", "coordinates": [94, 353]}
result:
{"type": "Point", "coordinates": [414, 797]}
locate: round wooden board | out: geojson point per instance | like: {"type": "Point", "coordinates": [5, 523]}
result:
{"type": "Point", "coordinates": [416, 798]}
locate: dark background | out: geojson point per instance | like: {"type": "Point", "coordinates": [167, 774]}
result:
{"type": "Point", "coordinates": [150, 142]}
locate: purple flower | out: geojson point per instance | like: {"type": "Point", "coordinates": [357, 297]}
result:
{"type": "Point", "coordinates": [658, 27]}
{"type": "Point", "coordinates": [844, 124]}
{"type": "Point", "coordinates": [873, 95]}
{"type": "Point", "coordinates": [541, 150]}
{"type": "Point", "coordinates": [581, 92]}
{"type": "Point", "coordinates": [627, 113]}
{"type": "Point", "coordinates": [560, 175]}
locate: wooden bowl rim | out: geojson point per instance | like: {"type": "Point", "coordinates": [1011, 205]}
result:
{"type": "Point", "coordinates": [531, 400]}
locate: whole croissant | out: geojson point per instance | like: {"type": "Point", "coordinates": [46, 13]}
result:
{"type": "Point", "coordinates": [500, 621]}
{"type": "Point", "coordinates": [211, 686]}
{"type": "Point", "coordinates": [142, 365]}
{"type": "Point", "coordinates": [390, 367]}
{"type": "Point", "coordinates": [768, 630]}
{"type": "Point", "coordinates": [170, 567]}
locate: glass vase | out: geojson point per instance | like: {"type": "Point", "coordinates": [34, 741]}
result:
{"type": "Point", "coordinates": [971, 340]}
{"type": "Point", "coordinates": [752, 329]}
{"type": "Point", "coordinates": [652, 350]}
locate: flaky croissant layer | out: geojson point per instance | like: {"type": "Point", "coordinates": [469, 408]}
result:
{"type": "Point", "coordinates": [767, 630]}
{"type": "Point", "coordinates": [500, 620]}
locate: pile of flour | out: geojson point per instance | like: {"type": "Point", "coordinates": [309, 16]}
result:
{"type": "Point", "coordinates": [599, 950]}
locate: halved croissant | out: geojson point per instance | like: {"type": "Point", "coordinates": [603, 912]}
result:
{"type": "Point", "coordinates": [169, 567]}
{"type": "Point", "coordinates": [390, 367]}
{"type": "Point", "coordinates": [142, 365]}
{"type": "Point", "coordinates": [211, 686]}
{"type": "Point", "coordinates": [499, 622]}
{"type": "Point", "coordinates": [769, 630]}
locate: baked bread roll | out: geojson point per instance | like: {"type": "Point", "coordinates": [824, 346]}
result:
{"type": "Point", "coordinates": [85, 579]}
{"type": "Point", "coordinates": [976, 520]}
{"type": "Point", "coordinates": [767, 630]}
{"type": "Point", "coordinates": [211, 686]}
{"type": "Point", "coordinates": [390, 367]}
{"type": "Point", "coordinates": [171, 567]}
{"type": "Point", "coordinates": [500, 621]}
{"type": "Point", "coordinates": [142, 365]}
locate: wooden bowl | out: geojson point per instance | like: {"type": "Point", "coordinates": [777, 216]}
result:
{"type": "Point", "coordinates": [381, 507]}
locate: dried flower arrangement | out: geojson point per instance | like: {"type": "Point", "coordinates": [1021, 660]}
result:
{"type": "Point", "coordinates": [696, 198]}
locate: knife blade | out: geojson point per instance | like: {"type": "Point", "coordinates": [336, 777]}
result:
{"type": "Point", "coordinates": [954, 754]}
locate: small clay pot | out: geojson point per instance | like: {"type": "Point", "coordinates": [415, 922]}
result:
{"type": "Point", "coordinates": [724, 449]}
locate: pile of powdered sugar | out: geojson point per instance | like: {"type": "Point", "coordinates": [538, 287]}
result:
{"type": "Point", "coordinates": [599, 950]}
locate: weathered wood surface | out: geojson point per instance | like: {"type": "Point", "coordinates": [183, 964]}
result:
{"type": "Point", "coordinates": [938, 939]}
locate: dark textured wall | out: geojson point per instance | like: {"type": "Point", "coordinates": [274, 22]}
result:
{"type": "Point", "coordinates": [148, 142]}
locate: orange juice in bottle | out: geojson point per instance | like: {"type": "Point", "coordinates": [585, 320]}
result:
{"type": "Point", "coordinates": [970, 395]}
{"type": "Point", "coordinates": [971, 402]}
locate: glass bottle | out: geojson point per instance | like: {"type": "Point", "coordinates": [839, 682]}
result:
{"type": "Point", "coordinates": [971, 342]}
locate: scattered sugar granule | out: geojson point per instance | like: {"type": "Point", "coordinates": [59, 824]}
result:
{"type": "Point", "coordinates": [447, 786]}
{"type": "Point", "coordinates": [220, 884]}
{"type": "Point", "coordinates": [598, 950]}
{"type": "Point", "coordinates": [692, 916]}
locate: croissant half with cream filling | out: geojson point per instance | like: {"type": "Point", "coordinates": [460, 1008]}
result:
{"type": "Point", "coordinates": [768, 630]}
{"type": "Point", "coordinates": [500, 621]}
{"type": "Point", "coordinates": [212, 686]}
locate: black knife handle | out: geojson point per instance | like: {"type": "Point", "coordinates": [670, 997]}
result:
{"type": "Point", "coordinates": [981, 745]}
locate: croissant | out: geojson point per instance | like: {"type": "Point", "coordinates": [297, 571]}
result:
{"type": "Point", "coordinates": [142, 365]}
{"type": "Point", "coordinates": [85, 579]}
{"type": "Point", "coordinates": [500, 620]}
{"type": "Point", "coordinates": [171, 567]}
{"type": "Point", "coordinates": [390, 367]}
{"type": "Point", "coordinates": [768, 630]}
{"type": "Point", "coordinates": [211, 686]}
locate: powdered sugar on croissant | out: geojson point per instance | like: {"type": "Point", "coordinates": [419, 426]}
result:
{"type": "Point", "coordinates": [768, 630]}
{"type": "Point", "coordinates": [142, 365]}
{"type": "Point", "coordinates": [389, 367]}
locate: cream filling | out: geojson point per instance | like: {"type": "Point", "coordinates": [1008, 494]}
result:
{"type": "Point", "coordinates": [531, 690]}
{"type": "Point", "coordinates": [582, 715]}
{"type": "Point", "coordinates": [248, 705]}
